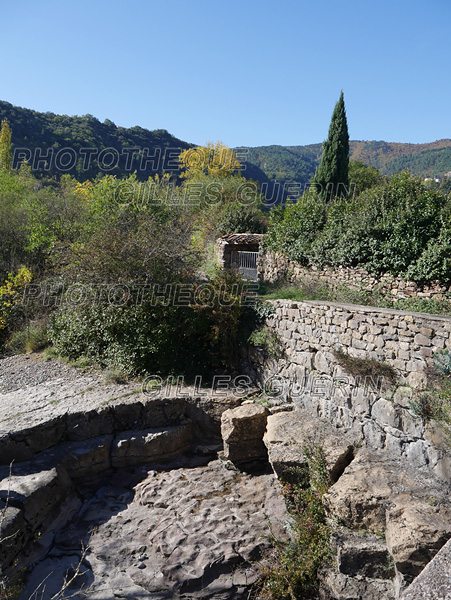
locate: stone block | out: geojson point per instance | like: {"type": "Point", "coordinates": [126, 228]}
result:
{"type": "Point", "coordinates": [416, 379]}
{"type": "Point", "coordinates": [242, 431]}
{"type": "Point", "coordinates": [426, 332]}
{"type": "Point", "coordinates": [422, 340]}
{"type": "Point", "coordinates": [138, 447]}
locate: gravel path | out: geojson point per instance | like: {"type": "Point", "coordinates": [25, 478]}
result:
{"type": "Point", "coordinates": [27, 370]}
{"type": "Point", "coordinates": [33, 391]}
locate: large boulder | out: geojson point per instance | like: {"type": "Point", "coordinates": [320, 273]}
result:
{"type": "Point", "coordinates": [416, 529]}
{"type": "Point", "coordinates": [434, 582]}
{"type": "Point", "coordinates": [138, 447]}
{"type": "Point", "coordinates": [242, 431]}
{"type": "Point", "coordinates": [289, 433]}
{"type": "Point", "coordinates": [359, 499]}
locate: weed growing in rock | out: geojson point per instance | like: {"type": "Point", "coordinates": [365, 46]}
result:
{"type": "Point", "coordinates": [435, 402]}
{"type": "Point", "coordinates": [290, 572]}
{"type": "Point", "coordinates": [366, 368]}
{"type": "Point", "coordinates": [421, 406]}
{"type": "Point", "coordinates": [442, 362]}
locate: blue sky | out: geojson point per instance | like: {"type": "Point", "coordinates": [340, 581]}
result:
{"type": "Point", "coordinates": [249, 72]}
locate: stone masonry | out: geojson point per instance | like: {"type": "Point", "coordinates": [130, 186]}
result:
{"type": "Point", "coordinates": [273, 267]}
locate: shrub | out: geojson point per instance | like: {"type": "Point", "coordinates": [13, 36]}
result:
{"type": "Point", "coordinates": [268, 340]}
{"type": "Point", "coordinates": [399, 227]}
{"type": "Point", "coordinates": [421, 406]}
{"type": "Point", "coordinates": [11, 313]}
{"type": "Point", "coordinates": [295, 231]}
{"type": "Point", "coordinates": [32, 338]}
{"type": "Point", "coordinates": [155, 336]}
{"type": "Point", "coordinates": [442, 362]}
{"type": "Point", "coordinates": [240, 218]}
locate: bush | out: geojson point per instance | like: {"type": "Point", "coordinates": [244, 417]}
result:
{"type": "Point", "coordinates": [32, 338]}
{"type": "Point", "coordinates": [11, 308]}
{"type": "Point", "coordinates": [239, 218]}
{"type": "Point", "coordinates": [295, 230]}
{"type": "Point", "coordinates": [400, 227]}
{"type": "Point", "coordinates": [435, 401]}
{"type": "Point", "coordinates": [442, 362]}
{"type": "Point", "coordinates": [268, 340]}
{"type": "Point", "coordinates": [367, 368]}
{"type": "Point", "coordinates": [146, 336]}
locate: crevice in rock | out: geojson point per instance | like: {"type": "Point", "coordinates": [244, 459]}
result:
{"type": "Point", "coordinates": [343, 461]}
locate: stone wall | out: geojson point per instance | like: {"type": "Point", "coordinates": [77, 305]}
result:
{"type": "Point", "coordinates": [273, 267]}
{"type": "Point", "coordinates": [308, 373]}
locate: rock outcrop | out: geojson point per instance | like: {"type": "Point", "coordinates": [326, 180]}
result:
{"type": "Point", "coordinates": [186, 532]}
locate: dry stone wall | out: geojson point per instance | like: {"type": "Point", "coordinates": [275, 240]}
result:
{"type": "Point", "coordinates": [379, 415]}
{"type": "Point", "coordinates": [406, 341]}
{"type": "Point", "coordinates": [273, 267]}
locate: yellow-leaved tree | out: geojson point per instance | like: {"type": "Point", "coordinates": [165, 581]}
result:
{"type": "Point", "coordinates": [5, 146]}
{"type": "Point", "coordinates": [215, 159]}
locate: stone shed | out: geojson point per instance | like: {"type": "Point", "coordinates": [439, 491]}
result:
{"type": "Point", "coordinates": [240, 251]}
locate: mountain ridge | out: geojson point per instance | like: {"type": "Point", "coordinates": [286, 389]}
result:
{"type": "Point", "coordinates": [48, 134]}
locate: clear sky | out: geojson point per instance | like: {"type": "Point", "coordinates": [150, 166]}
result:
{"type": "Point", "coordinates": [248, 72]}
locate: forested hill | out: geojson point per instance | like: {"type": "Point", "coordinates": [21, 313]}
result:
{"type": "Point", "coordinates": [45, 135]}
{"type": "Point", "coordinates": [83, 146]}
{"type": "Point", "coordinates": [298, 163]}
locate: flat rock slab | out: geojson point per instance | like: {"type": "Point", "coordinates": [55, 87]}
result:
{"type": "Point", "coordinates": [44, 404]}
{"type": "Point", "coordinates": [185, 533]}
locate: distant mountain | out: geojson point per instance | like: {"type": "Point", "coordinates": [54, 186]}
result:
{"type": "Point", "coordinates": [298, 163]}
{"type": "Point", "coordinates": [84, 147]}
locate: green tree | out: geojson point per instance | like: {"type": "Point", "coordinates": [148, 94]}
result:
{"type": "Point", "coordinates": [332, 173]}
{"type": "Point", "coordinates": [6, 159]}
{"type": "Point", "coordinates": [363, 177]}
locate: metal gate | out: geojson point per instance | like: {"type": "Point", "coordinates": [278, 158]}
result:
{"type": "Point", "coordinates": [246, 263]}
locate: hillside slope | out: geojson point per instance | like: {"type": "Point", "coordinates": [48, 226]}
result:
{"type": "Point", "coordinates": [83, 146]}
{"type": "Point", "coordinates": [298, 163]}
{"type": "Point", "coordinates": [43, 136]}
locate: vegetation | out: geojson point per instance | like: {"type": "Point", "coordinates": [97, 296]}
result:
{"type": "Point", "coordinates": [114, 269]}
{"type": "Point", "coordinates": [435, 401]}
{"type": "Point", "coordinates": [367, 368]}
{"type": "Point", "coordinates": [313, 289]}
{"type": "Point", "coordinates": [267, 340]}
{"type": "Point", "coordinates": [216, 160]}
{"type": "Point", "coordinates": [5, 146]}
{"type": "Point", "coordinates": [363, 177]}
{"type": "Point", "coordinates": [51, 133]}
{"type": "Point", "coordinates": [43, 135]}
{"type": "Point", "coordinates": [290, 571]}
{"type": "Point", "coordinates": [298, 163]}
{"type": "Point", "coordinates": [286, 164]}
{"type": "Point", "coordinates": [332, 173]}
{"type": "Point", "coordinates": [400, 227]}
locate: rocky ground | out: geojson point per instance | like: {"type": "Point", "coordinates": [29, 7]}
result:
{"type": "Point", "coordinates": [187, 532]}
{"type": "Point", "coordinates": [191, 526]}
{"type": "Point", "coordinates": [130, 486]}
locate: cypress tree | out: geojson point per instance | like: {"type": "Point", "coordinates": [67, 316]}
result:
{"type": "Point", "coordinates": [332, 173]}
{"type": "Point", "coordinates": [5, 147]}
